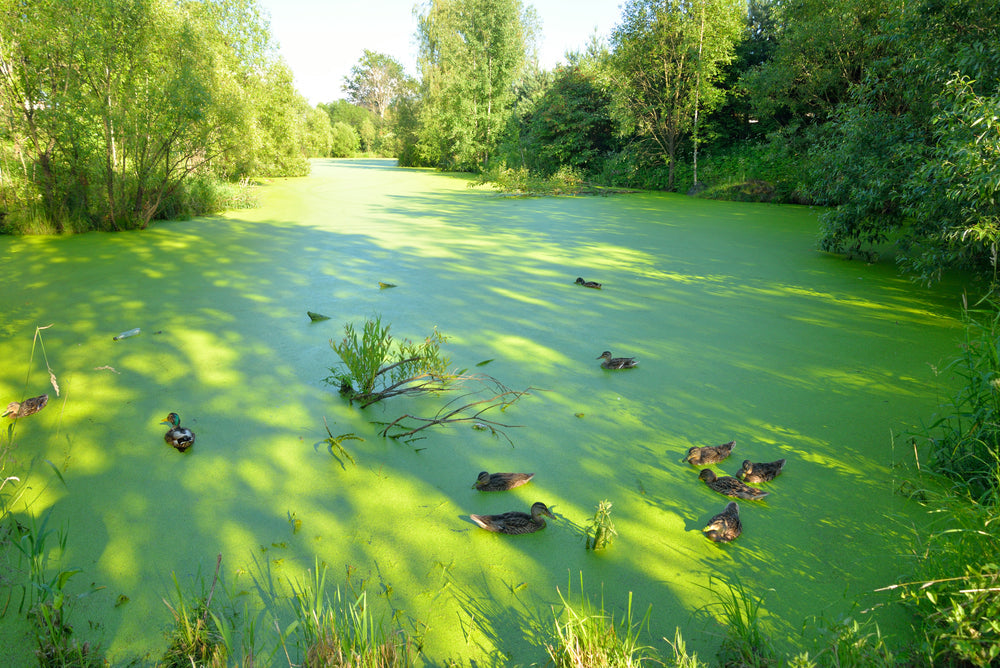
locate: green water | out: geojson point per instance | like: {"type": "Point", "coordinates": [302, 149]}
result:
{"type": "Point", "coordinates": [742, 329]}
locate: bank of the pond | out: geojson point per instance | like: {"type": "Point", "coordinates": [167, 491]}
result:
{"type": "Point", "coordinates": [742, 329]}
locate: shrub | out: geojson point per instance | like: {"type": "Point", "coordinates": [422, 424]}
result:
{"type": "Point", "coordinates": [344, 140]}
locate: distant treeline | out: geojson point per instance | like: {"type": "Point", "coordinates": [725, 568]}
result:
{"type": "Point", "coordinates": [886, 111]}
{"type": "Point", "coordinates": [118, 112]}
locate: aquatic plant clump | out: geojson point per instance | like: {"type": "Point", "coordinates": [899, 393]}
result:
{"type": "Point", "coordinates": [375, 366]}
{"type": "Point", "coordinates": [601, 532]}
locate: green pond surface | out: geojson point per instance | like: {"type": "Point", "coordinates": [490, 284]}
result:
{"type": "Point", "coordinates": [743, 331]}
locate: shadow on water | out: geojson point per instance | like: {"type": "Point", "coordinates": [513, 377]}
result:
{"type": "Point", "coordinates": [742, 329]}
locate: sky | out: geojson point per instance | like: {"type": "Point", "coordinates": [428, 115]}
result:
{"type": "Point", "coordinates": [321, 40]}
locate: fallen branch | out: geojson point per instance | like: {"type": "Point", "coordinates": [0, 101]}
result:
{"type": "Point", "coordinates": [466, 411]}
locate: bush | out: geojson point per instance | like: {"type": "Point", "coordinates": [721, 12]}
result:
{"type": "Point", "coordinates": [344, 140]}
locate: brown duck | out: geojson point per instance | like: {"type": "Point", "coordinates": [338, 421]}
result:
{"type": "Point", "coordinates": [709, 454]}
{"type": "Point", "coordinates": [725, 526]}
{"type": "Point", "coordinates": [499, 482]}
{"type": "Point", "coordinates": [760, 471]}
{"type": "Point", "coordinates": [616, 362]}
{"type": "Point", "coordinates": [20, 409]}
{"type": "Point", "coordinates": [515, 522]}
{"type": "Point", "coordinates": [588, 284]}
{"type": "Point", "coordinates": [730, 486]}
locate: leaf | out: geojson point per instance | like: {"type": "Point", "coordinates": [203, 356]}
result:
{"type": "Point", "coordinates": [485, 362]}
{"type": "Point", "coordinates": [317, 316]}
{"type": "Point", "coordinates": [383, 286]}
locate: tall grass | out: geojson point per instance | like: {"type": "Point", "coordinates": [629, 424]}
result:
{"type": "Point", "coordinates": [587, 636]}
{"type": "Point", "coordinates": [745, 643]}
{"type": "Point", "coordinates": [964, 441]}
{"type": "Point", "coordinates": [342, 631]}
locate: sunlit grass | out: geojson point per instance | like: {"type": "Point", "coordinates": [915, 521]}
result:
{"type": "Point", "coordinates": [587, 636]}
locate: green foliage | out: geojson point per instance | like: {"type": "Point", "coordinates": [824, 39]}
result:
{"type": "Point", "coordinates": [668, 59]}
{"type": "Point", "coordinates": [471, 53]}
{"type": "Point", "coordinates": [967, 618]}
{"type": "Point", "coordinates": [953, 196]}
{"type": "Point", "coordinates": [111, 107]}
{"type": "Point", "coordinates": [376, 82]}
{"type": "Point", "coordinates": [344, 140]}
{"type": "Point", "coordinates": [601, 532]}
{"type": "Point", "coordinates": [965, 438]}
{"type": "Point", "coordinates": [49, 602]}
{"type": "Point", "coordinates": [681, 658]}
{"type": "Point", "coordinates": [523, 182]}
{"type": "Point", "coordinates": [745, 643]}
{"type": "Point", "coordinates": [374, 366]}
{"type": "Point", "coordinates": [848, 643]}
{"type": "Point", "coordinates": [344, 632]}
{"type": "Point", "coordinates": [196, 637]}
{"type": "Point", "coordinates": [589, 637]}
{"type": "Point", "coordinates": [570, 125]}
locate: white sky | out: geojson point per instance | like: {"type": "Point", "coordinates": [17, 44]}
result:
{"type": "Point", "coordinates": [322, 39]}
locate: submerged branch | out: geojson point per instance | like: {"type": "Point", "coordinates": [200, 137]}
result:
{"type": "Point", "coordinates": [459, 410]}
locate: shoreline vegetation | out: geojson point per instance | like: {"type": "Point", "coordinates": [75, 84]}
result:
{"type": "Point", "coordinates": [885, 118]}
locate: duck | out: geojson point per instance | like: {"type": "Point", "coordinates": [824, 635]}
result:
{"type": "Point", "coordinates": [177, 436]}
{"type": "Point", "coordinates": [588, 284]}
{"type": "Point", "coordinates": [499, 482]}
{"type": "Point", "coordinates": [20, 409]}
{"type": "Point", "coordinates": [725, 526]}
{"type": "Point", "coordinates": [515, 522]}
{"type": "Point", "coordinates": [760, 471]}
{"type": "Point", "coordinates": [709, 454]}
{"type": "Point", "coordinates": [730, 486]}
{"type": "Point", "coordinates": [616, 362]}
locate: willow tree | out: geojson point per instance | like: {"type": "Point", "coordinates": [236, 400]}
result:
{"type": "Point", "coordinates": [471, 53]}
{"type": "Point", "coordinates": [667, 59]}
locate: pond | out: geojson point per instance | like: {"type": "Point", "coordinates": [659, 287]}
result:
{"type": "Point", "coordinates": [742, 329]}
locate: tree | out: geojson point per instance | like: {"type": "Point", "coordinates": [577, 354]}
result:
{"type": "Point", "coordinates": [667, 60]}
{"type": "Point", "coordinates": [471, 53]}
{"type": "Point", "coordinates": [113, 104]}
{"type": "Point", "coordinates": [570, 125]}
{"type": "Point", "coordinates": [375, 82]}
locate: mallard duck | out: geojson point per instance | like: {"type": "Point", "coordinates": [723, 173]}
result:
{"type": "Point", "coordinates": [20, 409]}
{"type": "Point", "coordinates": [499, 482]}
{"type": "Point", "coordinates": [588, 284]}
{"type": "Point", "coordinates": [730, 486]}
{"type": "Point", "coordinates": [515, 522]}
{"type": "Point", "coordinates": [177, 436]}
{"type": "Point", "coordinates": [616, 362]}
{"type": "Point", "coordinates": [709, 454]}
{"type": "Point", "coordinates": [725, 526]}
{"type": "Point", "coordinates": [760, 471]}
